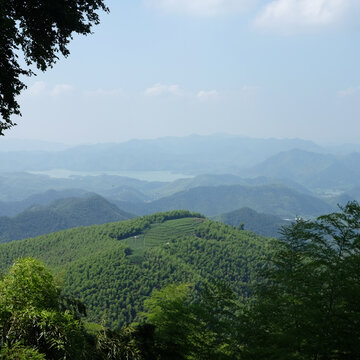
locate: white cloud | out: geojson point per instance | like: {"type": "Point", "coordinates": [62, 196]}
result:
{"type": "Point", "coordinates": [61, 89]}
{"type": "Point", "coordinates": [292, 15]}
{"type": "Point", "coordinates": [207, 95]}
{"type": "Point", "coordinates": [36, 89]}
{"type": "Point", "coordinates": [162, 89]}
{"type": "Point", "coordinates": [348, 92]}
{"type": "Point", "coordinates": [105, 93]}
{"type": "Point", "coordinates": [40, 88]}
{"type": "Point", "coordinates": [206, 8]}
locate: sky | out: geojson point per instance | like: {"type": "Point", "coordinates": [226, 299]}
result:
{"type": "Point", "coordinates": [154, 68]}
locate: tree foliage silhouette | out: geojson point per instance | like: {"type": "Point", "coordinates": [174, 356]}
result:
{"type": "Point", "coordinates": [308, 306]}
{"type": "Point", "coordinates": [40, 30]}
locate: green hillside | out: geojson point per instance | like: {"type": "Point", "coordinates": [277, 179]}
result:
{"type": "Point", "coordinates": [259, 223]}
{"type": "Point", "coordinates": [60, 214]}
{"type": "Point", "coordinates": [12, 208]}
{"type": "Point", "coordinates": [113, 272]}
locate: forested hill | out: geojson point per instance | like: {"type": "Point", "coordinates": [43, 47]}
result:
{"type": "Point", "coordinates": [248, 219]}
{"type": "Point", "coordinates": [12, 208]}
{"type": "Point", "coordinates": [213, 200]}
{"type": "Point", "coordinates": [59, 215]}
{"type": "Point", "coordinates": [114, 267]}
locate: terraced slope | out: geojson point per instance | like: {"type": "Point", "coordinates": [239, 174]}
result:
{"type": "Point", "coordinates": [161, 233]}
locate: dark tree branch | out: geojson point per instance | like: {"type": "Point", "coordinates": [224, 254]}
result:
{"type": "Point", "coordinates": [41, 30]}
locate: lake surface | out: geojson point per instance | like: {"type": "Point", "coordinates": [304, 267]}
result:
{"type": "Point", "coordinates": [140, 175]}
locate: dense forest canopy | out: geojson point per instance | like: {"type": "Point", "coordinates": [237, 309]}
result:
{"type": "Point", "coordinates": [302, 305]}
{"type": "Point", "coordinates": [112, 268]}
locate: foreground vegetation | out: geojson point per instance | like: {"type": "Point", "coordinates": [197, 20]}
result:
{"type": "Point", "coordinates": [303, 304]}
{"type": "Point", "coordinates": [113, 268]}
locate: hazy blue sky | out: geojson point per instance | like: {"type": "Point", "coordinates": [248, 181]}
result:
{"type": "Point", "coordinates": [275, 68]}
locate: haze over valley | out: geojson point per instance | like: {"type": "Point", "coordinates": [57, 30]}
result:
{"type": "Point", "coordinates": [212, 175]}
{"type": "Point", "coordinates": [181, 184]}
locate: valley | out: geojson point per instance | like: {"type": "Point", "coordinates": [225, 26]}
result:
{"type": "Point", "coordinates": [296, 179]}
{"type": "Point", "coordinates": [179, 180]}
{"type": "Point", "coordinates": [182, 224]}
{"type": "Point", "coordinates": [203, 241]}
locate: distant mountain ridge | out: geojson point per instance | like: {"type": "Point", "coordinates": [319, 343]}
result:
{"type": "Point", "coordinates": [59, 215]}
{"type": "Point", "coordinates": [312, 170]}
{"type": "Point", "coordinates": [20, 190]}
{"type": "Point", "coordinates": [213, 200]}
{"type": "Point", "coordinates": [223, 179]}
{"type": "Point", "coordinates": [195, 154]}
{"type": "Point", "coordinates": [215, 160]}
{"type": "Point", "coordinates": [20, 186]}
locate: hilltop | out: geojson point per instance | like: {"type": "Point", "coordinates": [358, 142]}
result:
{"type": "Point", "coordinates": [114, 267]}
